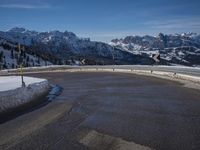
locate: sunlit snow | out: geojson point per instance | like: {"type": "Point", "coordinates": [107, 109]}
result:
{"type": "Point", "coordinates": [13, 82]}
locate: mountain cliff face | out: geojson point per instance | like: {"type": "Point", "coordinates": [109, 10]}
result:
{"type": "Point", "coordinates": [174, 48]}
{"type": "Point", "coordinates": [67, 48]}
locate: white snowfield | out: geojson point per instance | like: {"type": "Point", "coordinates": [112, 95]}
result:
{"type": "Point", "coordinates": [13, 95]}
{"type": "Point", "coordinates": [14, 82]}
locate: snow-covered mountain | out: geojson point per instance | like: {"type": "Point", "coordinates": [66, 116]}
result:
{"type": "Point", "coordinates": [57, 47]}
{"type": "Point", "coordinates": [174, 48]}
{"type": "Point", "coordinates": [67, 48]}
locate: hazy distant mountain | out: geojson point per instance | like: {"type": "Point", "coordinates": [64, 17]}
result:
{"type": "Point", "coordinates": [174, 48]}
{"type": "Point", "coordinates": [67, 48]}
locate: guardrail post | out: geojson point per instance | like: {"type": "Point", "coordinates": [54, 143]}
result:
{"type": "Point", "coordinates": [23, 83]}
{"type": "Point", "coordinates": [174, 74]}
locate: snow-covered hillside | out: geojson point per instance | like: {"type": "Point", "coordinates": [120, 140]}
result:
{"type": "Point", "coordinates": [12, 57]}
{"type": "Point", "coordinates": [174, 48]}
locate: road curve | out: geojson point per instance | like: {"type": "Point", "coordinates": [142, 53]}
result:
{"type": "Point", "coordinates": [105, 111]}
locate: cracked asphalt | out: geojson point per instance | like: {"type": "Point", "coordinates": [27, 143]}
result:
{"type": "Point", "coordinates": [111, 111]}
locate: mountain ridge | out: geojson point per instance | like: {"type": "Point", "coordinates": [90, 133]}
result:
{"type": "Point", "coordinates": [66, 48]}
{"type": "Point", "coordinates": [183, 49]}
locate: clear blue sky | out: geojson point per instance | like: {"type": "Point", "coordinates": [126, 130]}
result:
{"type": "Point", "coordinates": [102, 20]}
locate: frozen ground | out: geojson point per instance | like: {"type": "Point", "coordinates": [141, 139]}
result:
{"type": "Point", "coordinates": [14, 82]}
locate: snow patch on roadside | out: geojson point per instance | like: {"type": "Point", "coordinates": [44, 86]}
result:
{"type": "Point", "coordinates": [14, 82]}
{"type": "Point", "coordinates": [13, 95]}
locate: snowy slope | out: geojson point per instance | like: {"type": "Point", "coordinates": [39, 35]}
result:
{"type": "Point", "coordinates": [174, 48]}
{"type": "Point", "coordinates": [9, 57]}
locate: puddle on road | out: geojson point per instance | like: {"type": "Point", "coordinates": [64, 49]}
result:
{"type": "Point", "coordinates": [55, 91]}
{"type": "Point", "coordinates": [99, 141]}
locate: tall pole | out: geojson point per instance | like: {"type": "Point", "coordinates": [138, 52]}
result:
{"type": "Point", "coordinates": [112, 52]}
{"type": "Point", "coordinates": [21, 70]}
{"type": "Point", "coordinates": [21, 67]}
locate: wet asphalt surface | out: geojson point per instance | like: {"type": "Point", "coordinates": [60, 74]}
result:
{"type": "Point", "coordinates": [152, 112]}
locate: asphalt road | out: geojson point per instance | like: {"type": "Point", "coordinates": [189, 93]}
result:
{"type": "Point", "coordinates": [109, 111]}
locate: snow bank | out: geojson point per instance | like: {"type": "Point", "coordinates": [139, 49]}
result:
{"type": "Point", "coordinates": [13, 82]}
{"type": "Point", "coordinates": [12, 95]}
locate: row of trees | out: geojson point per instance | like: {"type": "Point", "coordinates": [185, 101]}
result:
{"type": "Point", "coordinates": [21, 57]}
{"type": "Point", "coordinates": [2, 61]}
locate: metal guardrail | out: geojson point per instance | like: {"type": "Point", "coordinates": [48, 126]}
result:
{"type": "Point", "coordinates": [187, 73]}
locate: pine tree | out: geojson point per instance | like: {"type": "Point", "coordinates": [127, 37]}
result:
{"type": "Point", "coordinates": [24, 54]}
{"type": "Point", "coordinates": [1, 60]}
{"type": "Point", "coordinates": [26, 65]}
{"type": "Point", "coordinates": [5, 65]}
{"type": "Point", "coordinates": [13, 66]}
{"type": "Point", "coordinates": [12, 54]}
{"type": "Point", "coordinates": [38, 61]}
{"type": "Point", "coordinates": [60, 62]}
{"type": "Point", "coordinates": [16, 56]}
{"type": "Point", "coordinates": [1, 56]}
{"type": "Point", "coordinates": [27, 59]}
{"type": "Point", "coordinates": [18, 61]}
